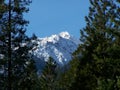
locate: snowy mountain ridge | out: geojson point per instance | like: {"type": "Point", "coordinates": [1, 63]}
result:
{"type": "Point", "coordinates": [60, 47]}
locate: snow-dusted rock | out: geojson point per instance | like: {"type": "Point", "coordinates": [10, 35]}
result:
{"type": "Point", "coordinates": [60, 47]}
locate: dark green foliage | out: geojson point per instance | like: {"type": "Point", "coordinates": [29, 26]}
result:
{"type": "Point", "coordinates": [49, 76]}
{"type": "Point", "coordinates": [16, 64]}
{"type": "Point", "coordinates": [98, 55]}
{"type": "Point", "coordinates": [95, 64]}
{"type": "Point", "coordinates": [67, 77]}
{"type": "Point", "coordinates": [77, 77]}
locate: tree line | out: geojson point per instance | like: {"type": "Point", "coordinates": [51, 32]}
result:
{"type": "Point", "coordinates": [95, 64]}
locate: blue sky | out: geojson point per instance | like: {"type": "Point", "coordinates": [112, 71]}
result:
{"type": "Point", "coordinates": [49, 17]}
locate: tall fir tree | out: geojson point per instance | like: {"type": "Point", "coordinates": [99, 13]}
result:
{"type": "Point", "coordinates": [98, 55]}
{"type": "Point", "coordinates": [16, 61]}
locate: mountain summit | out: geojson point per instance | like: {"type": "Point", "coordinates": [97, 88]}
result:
{"type": "Point", "coordinates": [60, 47]}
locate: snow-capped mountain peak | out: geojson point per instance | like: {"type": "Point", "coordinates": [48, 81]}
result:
{"type": "Point", "coordinates": [60, 47]}
{"type": "Point", "coordinates": [65, 35]}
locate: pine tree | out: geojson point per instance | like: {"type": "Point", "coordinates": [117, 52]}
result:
{"type": "Point", "coordinates": [67, 75]}
{"type": "Point", "coordinates": [99, 52]}
{"type": "Point", "coordinates": [16, 61]}
{"type": "Point", "coordinates": [49, 76]}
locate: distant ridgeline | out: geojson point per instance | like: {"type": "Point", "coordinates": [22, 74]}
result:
{"type": "Point", "coordinates": [60, 47]}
